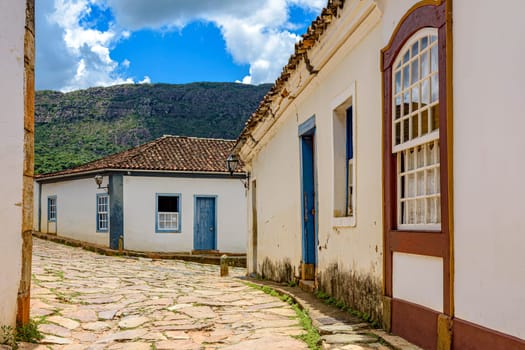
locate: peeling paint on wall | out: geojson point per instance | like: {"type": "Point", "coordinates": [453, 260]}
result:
{"type": "Point", "coordinates": [359, 291]}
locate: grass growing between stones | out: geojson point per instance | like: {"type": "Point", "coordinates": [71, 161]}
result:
{"type": "Point", "coordinates": [27, 333]}
{"type": "Point", "coordinates": [311, 337]}
{"type": "Point", "coordinates": [327, 299]}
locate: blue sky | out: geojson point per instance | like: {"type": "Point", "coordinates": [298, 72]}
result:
{"type": "Point", "coordinates": [85, 43]}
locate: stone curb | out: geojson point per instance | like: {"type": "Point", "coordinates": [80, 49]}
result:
{"type": "Point", "coordinates": [210, 259]}
{"type": "Point", "coordinates": [317, 316]}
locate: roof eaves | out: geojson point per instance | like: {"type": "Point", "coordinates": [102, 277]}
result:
{"type": "Point", "coordinates": [309, 39]}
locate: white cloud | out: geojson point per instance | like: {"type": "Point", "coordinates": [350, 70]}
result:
{"type": "Point", "coordinates": [84, 52]}
{"type": "Point", "coordinates": [74, 55]}
{"type": "Point", "coordinates": [146, 80]}
{"type": "Point", "coordinates": [256, 32]}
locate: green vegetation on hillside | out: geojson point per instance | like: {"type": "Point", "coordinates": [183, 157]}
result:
{"type": "Point", "coordinates": [76, 127]}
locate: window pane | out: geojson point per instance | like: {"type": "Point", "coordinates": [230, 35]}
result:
{"type": "Point", "coordinates": [425, 93]}
{"type": "Point", "coordinates": [406, 56]}
{"type": "Point", "coordinates": [406, 77]}
{"type": "Point", "coordinates": [397, 82]}
{"type": "Point", "coordinates": [398, 107]}
{"type": "Point", "coordinates": [424, 122]}
{"type": "Point", "coordinates": [434, 58]}
{"type": "Point", "coordinates": [168, 221]}
{"type": "Point", "coordinates": [406, 103]}
{"type": "Point", "coordinates": [420, 211]}
{"type": "Point", "coordinates": [415, 126]}
{"type": "Point", "coordinates": [437, 216]}
{"type": "Point", "coordinates": [424, 42]}
{"type": "Point", "coordinates": [431, 181]}
{"type": "Point", "coordinates": [410, 159]}
{"type": "Point", "coordinates": [424, 65]}
{"type": "Point", "coordinates": [406, 131]}
{"type": "Point", "coordinates": [434, 87]}
{"type": "Point", "coordinates": [350, 189]}
{"type": "Point", "coordinates": [411, 215]}
{"type": "Point", "coordinates": [168, 204]}
{"type": "Point", "coordinates": [420, 176]}
{"type": "Point", "coordinates": [411, 185]}
{"type": "Point", "coordinates": [430, 154]}
{"type": "Point", "coordinates": [415, 48]}
{"type": "Point", "coordinates": [435, 117]}
{"type": "Point", "coordinates": [420, 156]}
{"type": "Point", "coordinates": [398, 133]}
{"type": "Point", "coordinates": [415, 71]}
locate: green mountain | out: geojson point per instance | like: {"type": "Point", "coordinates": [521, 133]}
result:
{"type": "Point", "coordinates": [79, 126]}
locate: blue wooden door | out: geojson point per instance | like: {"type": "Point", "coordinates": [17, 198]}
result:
{"type": "Point", "coordinates": [308, 199]}
{"type": "Point", "coordinates": [205, 224]}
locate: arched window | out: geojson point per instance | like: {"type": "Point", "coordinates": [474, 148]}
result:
{"type": "Point", "coordinates": [417, 159]}
{"type": "Point", "coordinates": [415, 132]}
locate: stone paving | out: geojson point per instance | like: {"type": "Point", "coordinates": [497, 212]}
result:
{"type": "Point", "coordinates": [84, 300]}
{"type": "Point", "coordinates": [91, 301]}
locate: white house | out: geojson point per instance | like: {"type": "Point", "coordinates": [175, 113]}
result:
{"type": "Point", "coordinates": [173, 194]}
{"type": "Point", "coordinates": [385, 168]}
{"type": "Point", "coordinates": [16, 157]}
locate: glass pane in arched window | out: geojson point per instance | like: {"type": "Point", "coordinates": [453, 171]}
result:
{"type": "Point", "coordinates": [415, 129]}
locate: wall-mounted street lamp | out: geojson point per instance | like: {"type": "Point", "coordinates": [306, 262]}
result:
{"type": "Point", "coordinates": [232, 164]}
{"type": "Point", "coordinates": [98, 180]}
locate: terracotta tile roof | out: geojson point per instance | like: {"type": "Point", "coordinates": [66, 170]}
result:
{"type": "Point", "coordinates": [302, 48]}
{"type": "Point", "coordinates": [168, 153]}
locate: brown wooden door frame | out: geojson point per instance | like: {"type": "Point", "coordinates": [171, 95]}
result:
{"type": "Point", "coordinates": [436, 14]}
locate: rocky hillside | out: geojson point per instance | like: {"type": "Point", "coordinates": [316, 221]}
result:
{"type": "Point", "coordinates": [80, 126]}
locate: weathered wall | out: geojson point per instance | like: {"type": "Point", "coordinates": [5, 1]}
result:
{"type": "Point", "coordinates": [139, 213]}
{"type": "Point", "coordinates": [15, 164]}
{"type": "Point", "coordinates": [76, 210]}
{"type": "Point", "coordinates": [488, 164]}
{"type": "Point", "coordinates": [349, 254]}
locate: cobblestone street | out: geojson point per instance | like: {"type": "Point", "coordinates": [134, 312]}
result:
{"type": "Point", "coordinates": [91, 301]}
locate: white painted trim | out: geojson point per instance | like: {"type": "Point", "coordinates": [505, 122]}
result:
{"type": "Point", "coordinates": [344, 100]}
{"type": "Point", "coordinates": [419, 227]}
{"type": "Point", "coordinates": [345, 221]}
{"type": "Point", "coordinates": [434, 135]}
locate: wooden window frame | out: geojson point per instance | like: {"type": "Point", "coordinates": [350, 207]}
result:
{"type": "Point", "coordinates": [435, 14]}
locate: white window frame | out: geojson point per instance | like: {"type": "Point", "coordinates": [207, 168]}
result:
{"type": "Point", "coordinates": [52, 208]}
{"type": "Point", "coordinates": [338, 107]}
{"type": "Point", "coordinates": [421, 167]}
{"type": "Point", "coordinates": [100, 212]}
{"type": "Point", "coordinates": [167, 217]}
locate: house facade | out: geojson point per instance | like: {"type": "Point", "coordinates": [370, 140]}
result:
{"type": "Point", "coordinates": [16, 155]}
{"type": "Point", "coordinates": [173, 194]}
{"type": "Point", "coordinates": [379, 174]}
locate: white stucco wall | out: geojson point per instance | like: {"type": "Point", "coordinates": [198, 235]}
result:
{"type": "Point", "coordinates": [139, 213]}
{"type": "Point", "coordinates": [418, 279]}
{"type": "Point", "coordinates": [278, 198]}
{"type": "Point", "coordinates": [489, 233]}
{"type": "Point", "coordinates": [276, 167]}
{"type": "Point", "coordinates": [12, 29]}
{"type": "Point", "coordinates": [76, 210]}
